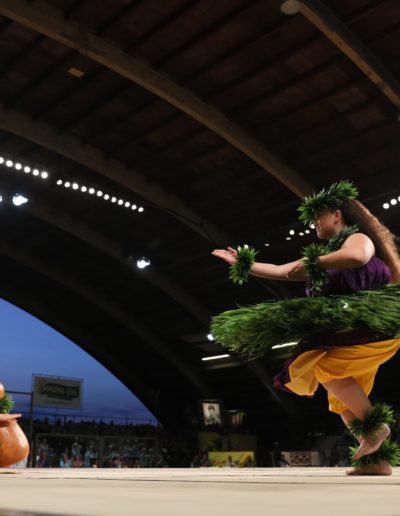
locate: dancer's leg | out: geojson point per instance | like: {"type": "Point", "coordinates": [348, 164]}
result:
{"type": "Point", "coordinates": [351, 394]}
{"type": "Point", "coordinates": [347, 416]}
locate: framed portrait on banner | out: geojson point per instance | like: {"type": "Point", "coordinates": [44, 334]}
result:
{"type": "Point", "coordinates": [211, 412]}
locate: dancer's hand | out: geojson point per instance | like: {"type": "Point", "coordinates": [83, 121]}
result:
{"type": "Point", "coordinates": [8, 417]}
{"type": "Point", "coordinates": [229, 255]}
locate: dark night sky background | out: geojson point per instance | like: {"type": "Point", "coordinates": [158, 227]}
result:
{"type": "Point", "coordinates": [30, 346]}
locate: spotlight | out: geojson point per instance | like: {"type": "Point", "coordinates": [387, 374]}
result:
{"type": "Point", "coordinates": [59, 182]}
{"type": "Point", "coordinates": [307, 231]}
{"type": "Point", "coordinates": [91, 191]}
{"type": "Point", "coordinates": [393, 202]}
{"type": "Point", "coordinates": [44, 175]}
{"type": "Point", "coordinates": [267, 245]}
{"type": "Point", "coordinates": [312, 226]}
{"type": "Point", "coordinates": [99, 193]}
{"type": "Point", "coordinates": [210, 336]}
{"type": "Point", "coordinates": [288, 238]}
{"type": "Point", "coordinates": [9, 163]}
{"type": "Point", "coordinates": [67, 184]}
{"type": "Point", "coordinates": [83, 189]}
{"type": "Point", "coordinates": [113, 199]}
{"type": "Point", "coordinates": [290, 7]}
{"type": "Point", "coordinates": [27, 170]}
{"type": "Point", "coordinates": [127, 204]}
{"type": "Point", "coordinates": [18, 166]}
{"type": "Point", "coordinates": [291, 232]}
{"type": "Point", "coordinates": [133, 207]}
{"type": "Point", "coordinates": [141, 210]}
{"type": "Point", "coordinates": [143, 263]}
{"type": "Point", "coordinates": [106, 197]}
{"type": "Point", "coordinates": [35, 172]}
{"type": "Point", "coordinates": [386, 205]}
{"type": "Point", "coordinates": [1, 160]}
{"type": "Point", "coordinates": [301, 233]}
{"type": "Point", "coordinates": [19, 200]}
{"type": "Point", "coordinates": [120, 202]}
{"type": "Point", "coordinates": [75, 186]}
{"type": "Point", "coordinates": [1, 198]}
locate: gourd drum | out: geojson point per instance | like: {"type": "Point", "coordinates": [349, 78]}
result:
{"type": "Point", "coordinates": [14, 445]}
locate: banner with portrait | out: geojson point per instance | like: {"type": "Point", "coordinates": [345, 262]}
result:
{"type": "Point", "coordinates": [231, 459]}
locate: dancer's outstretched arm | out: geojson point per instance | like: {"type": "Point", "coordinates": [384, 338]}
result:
{"type": "Point", "coordinates": [357, 250]}
{"type": "Point", "coordinates": [292, 271]}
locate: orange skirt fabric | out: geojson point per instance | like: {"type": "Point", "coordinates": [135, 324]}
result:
{"type": "Point", "coordinates": [360, 361]}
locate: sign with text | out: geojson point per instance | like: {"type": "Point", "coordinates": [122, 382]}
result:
{"type": "Point", "coordinates": [51, 391]}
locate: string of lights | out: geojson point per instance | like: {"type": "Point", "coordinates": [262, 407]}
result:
{"type": "Point", "coordinates": [69, 184]}
{"type": "Point", "coordinates": [24, 168]}
{"type": "Point", "coordinates": [391, 203]}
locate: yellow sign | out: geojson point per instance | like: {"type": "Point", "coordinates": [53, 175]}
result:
{"type": "Point", "coordinates": [231, 459]}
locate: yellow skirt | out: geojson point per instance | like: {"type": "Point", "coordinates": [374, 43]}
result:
{"type": "Point", "coordinates": [360, 361]}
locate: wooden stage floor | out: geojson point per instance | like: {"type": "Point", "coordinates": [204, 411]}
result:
{"type": "Point", "coordinates": [197, 492]}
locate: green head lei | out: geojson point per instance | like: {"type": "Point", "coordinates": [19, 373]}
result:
{"type": "Point", "coordinates": [331, 198]}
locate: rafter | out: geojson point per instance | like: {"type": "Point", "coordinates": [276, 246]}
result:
{"type": "Point", "coordinates": [108, 306]}
{"type": "Point", "coordinates": [115, 250]}
{"type": "Point", "coordinates": [69, 146]}
{"type": "Point", "coordinates": [341, 36]}
{"type": "Point", "coordinates": [44, 19]}
{"type": "Point", "coordinates": [61, 62]}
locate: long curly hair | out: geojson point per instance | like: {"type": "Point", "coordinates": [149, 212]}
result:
{"type": "Point", "coordinates": [386, 243]}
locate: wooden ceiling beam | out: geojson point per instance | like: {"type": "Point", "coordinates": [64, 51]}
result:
{"type": "Point", "coordinates": [115, 250]}
{"type": "Point", "coordinates": [67, 145]}
{"type": "Point", "coordinates": [93, 158]}
{"type": "Point", "coordinates": [43, 18]}
{"type": "Point", "coordinates": [108, 306]}
{"type": "Point", "coordinates": [340, 35]}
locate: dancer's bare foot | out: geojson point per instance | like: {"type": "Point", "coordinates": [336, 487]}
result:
{"type": "Point", "coordinates": [372, 442]}
{"type": "Point", "coordinates": [381, 468]}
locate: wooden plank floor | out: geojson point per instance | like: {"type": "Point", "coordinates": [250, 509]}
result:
{"type": "Point", "coordinates": [198, 492]}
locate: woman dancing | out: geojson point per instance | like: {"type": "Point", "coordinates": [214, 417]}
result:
{"type": "Point", "coordinates": [346, 327]}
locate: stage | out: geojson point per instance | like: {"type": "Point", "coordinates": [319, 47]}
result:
{"type": "Point", "coordinates": [198, 492]}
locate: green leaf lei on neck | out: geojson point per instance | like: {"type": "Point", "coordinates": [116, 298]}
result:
{"type": "Point", "coordinates": [312, 252]}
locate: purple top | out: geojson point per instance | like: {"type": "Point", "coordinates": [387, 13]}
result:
{"type": "Point", "coordinates": [370, 276]}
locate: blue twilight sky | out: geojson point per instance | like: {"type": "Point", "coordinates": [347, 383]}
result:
{"type": "Point", "coordinates": [30, 346]}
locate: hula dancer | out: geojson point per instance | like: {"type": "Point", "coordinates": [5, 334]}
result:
{"type": "Point", "coordinates": [346, 327]}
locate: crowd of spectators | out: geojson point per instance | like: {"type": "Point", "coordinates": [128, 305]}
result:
{"type": "Point", "coordinates": [90, 444]}
{"type": "Point", "coordinates": [66, 443]}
